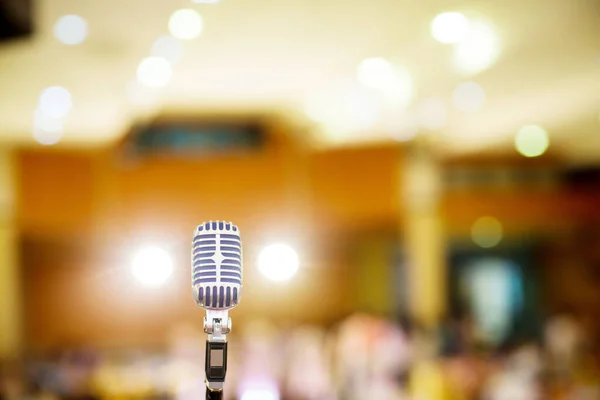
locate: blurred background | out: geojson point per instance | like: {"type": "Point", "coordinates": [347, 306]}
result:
{"type": "Point", "coordinates": [417, 184]}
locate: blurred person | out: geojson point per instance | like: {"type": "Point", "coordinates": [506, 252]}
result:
{"type": "Point", "coordinates": [427, 378]}
{"type": "Point", "coordinates": [186, 362]}
{"type": "Point", "coordinates": [352, 357]}
{"type": "Point", "coordinates": [73, 374]}
{"type": "Point", "coordinates": [260, 361]}
{"type": "Point", "coordinates": [390, 358]}
{"type": "Point", "coordinates": [308, 372]}
{"type": "Point", "coordinates": [563, 338]}
{"type": "Point", "coordinates": [518, 378]}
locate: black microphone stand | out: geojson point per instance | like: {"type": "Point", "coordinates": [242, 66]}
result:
{"type": "Point", "coordinates": [215, 364]}
{"type": "Point", "coordinates": [214, 394]}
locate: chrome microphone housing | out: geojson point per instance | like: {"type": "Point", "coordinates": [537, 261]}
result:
{"type": "Point", "coordinates": [217, 265]}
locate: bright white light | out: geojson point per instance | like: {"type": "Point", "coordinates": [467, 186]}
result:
{"type": "Point", "coordinates": [375, 73]}
{"type": "Point", "coordinates": [185, 24]}
{"type": "Point", "coordinates": [46, 138]}
{"type": "Point", "coordinates": [449, 27]}
{"type": "Point", "coordinates": [469, 97]}
{"type": "Point", "coordinates": [278, 262]}
{"type": "Point", "coordinates": [46, 123]}
{"type": "Point", "coordinates": [169, 48]}
{"type": "Point", "coordinates": [55, 102]}
{"type": "Point", "coordinates": [532, 141]}
{"type": "Point", "coordinates": [486, 232]}
{"type": "Point", "coordinates": [394, 81]}
{"type": "Point", "coordinates": [362, 111]}
{"type": "Point", "coordinates": [432, 113]}
{"type": "Point", "coordinates": [259, 394]}
{"type": "Point", "coordinates": [70, 29]}
{"type": "Point", "coordinates": [478, 51]}
{"type": "Point", "coordinates": [152, 266]}
{"type": "Point", "coordinates": [154, 72]}
{"type": "Point", "coordinates": [141, 95]}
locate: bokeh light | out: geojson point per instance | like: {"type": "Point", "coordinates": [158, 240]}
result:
{"type": "Point", "coordinates": [185, 24]}
{"type": "Point", "coordinates": [375, 73]}
{"type": "Point", "coordinates": [260, 394]}
{"type": "Point", "coordinates": [532, 141]}
{"type": "Point", "coordinates": [154, 72]}
{"type": "Point", "coordinates": [152, 266]}
{"type": "Point", "coordinates": [46, 138]}
{"type": "Point", "coordinates": [71, 29]}
{"type": "Point", "coordinates": [278, 262]}
{"type": "Point", "coordinates": [393, 81]}
{"type": "Point", "coordinates": [486, 232]}
{"type": "Point", "coordinates": [169, 48]}
{"type": "Point", "coordinates": [46, 123]}
{"type": "Point", "coordinates": [55, 102]}
{"type": "Point", "coordinates": [469, 97]}
{"type": "Point", "coordinates": [478, 51]}
{"type": "Point", "coordinates": [449, 27]}
{"type": "Point", "coordinates": [401, 90]}
{"type": "Point", "coordinates": [432, 113]}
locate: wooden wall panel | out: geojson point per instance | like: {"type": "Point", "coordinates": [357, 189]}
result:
{"type": "Point", "coordinates": [55, 192]}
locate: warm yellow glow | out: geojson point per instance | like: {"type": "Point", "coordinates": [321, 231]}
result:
{"type": "Point", "coordinates": [361, 111]}
{"type": "Point", "coordinates": [141, 95]}
{"type": "Point", "coordinates": [154, 72]}
{"type": "Point", "coordinates": [402, 127]}
{"type": "Point", "coordinates": [432, 113]}
{"type": "Point", "coordinates": [278, 262]}
{"type": "Point", "coordinates": [206, 1]}
{"type": "Point", "coordinates": [469, 97]}
{"type": "Point", "coordinates": [55, 102]}
{"type": "Point", "coordinates": [169, 48]}
{"type": "Point", "coordinates": [344, 110]}
{"type": "Point", "coordinates": [152, 266]}
{"type": "Point", "coordinates": [393, 81]}
{"type": "Point", "coordinates": [319, 108]}
{"type": "Point", "coordinates": [486, 232]}
{"type": "Point", "coordinates": [46, 138]}
{"type": "Point", "coordinates": [532, 141]}
{"type": "Point", "coordinates": [449, 27]}
{"type": "Point", "coordinates": [71, 29]}
{"type": "Point", "coordinates": [479, 50]}
{"type": "Point", "coordinates": [375, 73]}
{"type": "Point", "coordinates": [185, 24]}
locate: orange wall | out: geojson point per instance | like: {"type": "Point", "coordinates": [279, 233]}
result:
{"type": "Point", "coordinates": [88, 211]}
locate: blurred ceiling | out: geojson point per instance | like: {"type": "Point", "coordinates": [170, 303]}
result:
{"type": "Point", "coordinates": [273, 55]}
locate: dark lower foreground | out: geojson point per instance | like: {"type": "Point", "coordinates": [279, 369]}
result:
{"type": "Point", "coordinates": [363, 357]}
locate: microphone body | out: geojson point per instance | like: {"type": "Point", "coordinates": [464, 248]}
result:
{"type": "Point", "coordinates": [217, 266]}
{"type": "Point", "coordinates": [216, 287]}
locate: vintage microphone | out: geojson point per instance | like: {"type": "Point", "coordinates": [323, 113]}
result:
{"type": "Point", "coordinates": [216, 287]}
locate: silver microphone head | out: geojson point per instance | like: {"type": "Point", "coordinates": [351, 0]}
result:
{"type": "Point", "coordinates": [217, 265]}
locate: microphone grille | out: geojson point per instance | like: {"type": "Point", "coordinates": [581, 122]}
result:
{"type": "Point", "coordinates": [217, 265]}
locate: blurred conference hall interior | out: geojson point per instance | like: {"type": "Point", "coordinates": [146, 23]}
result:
{"type": "Point", "coordinates": [417, 185]}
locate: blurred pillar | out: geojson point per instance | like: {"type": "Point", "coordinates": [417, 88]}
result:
{"type": "Point", "coordinates": [10, 307]}
{"type": "Point", "coordinates": [423, 234]}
